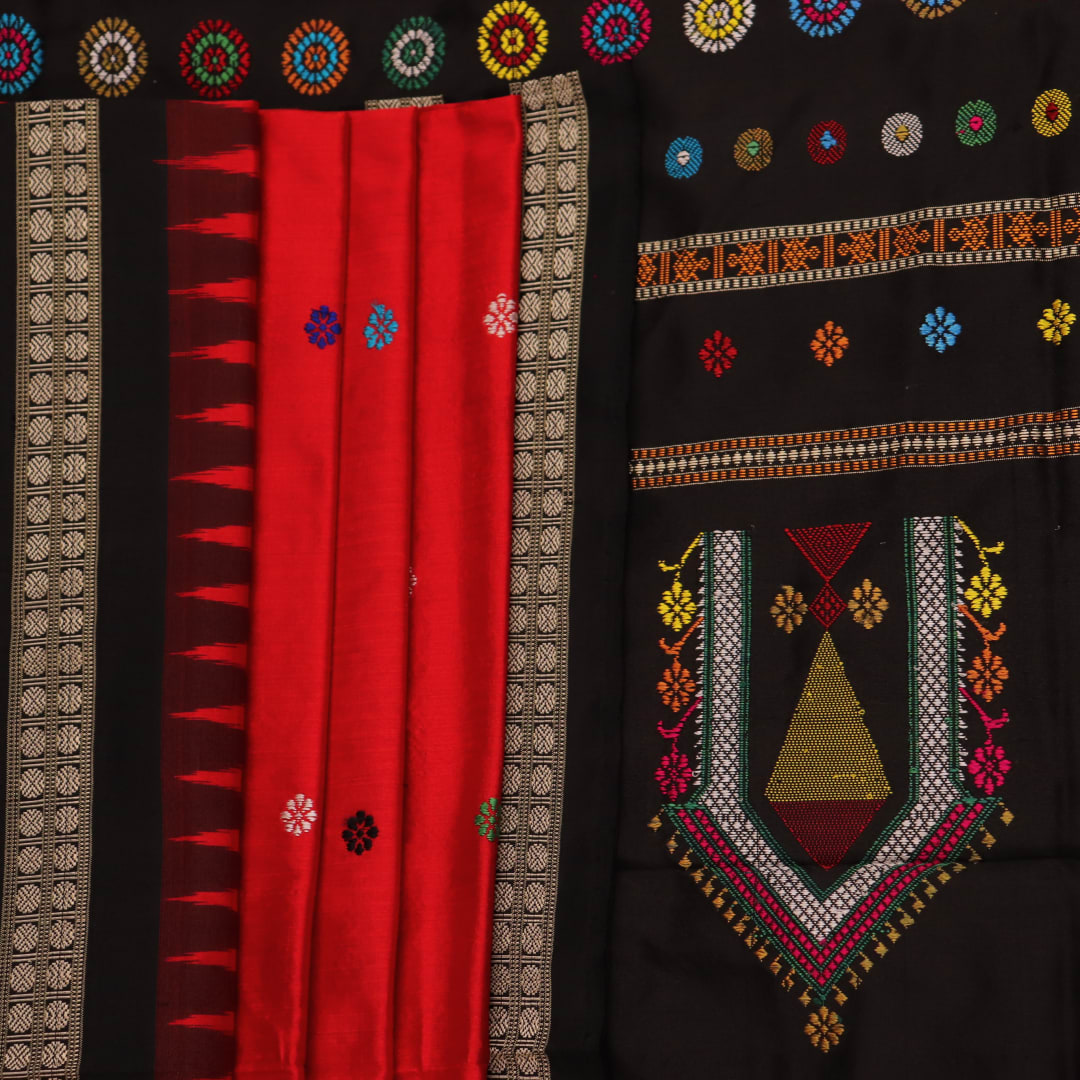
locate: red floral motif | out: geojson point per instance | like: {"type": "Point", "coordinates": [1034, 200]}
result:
{"type": "Point", "coordinates": [674, 774]}
{"type": "Point", "coordinates": [717, 353]}
{"type": "Point", "coordinates": [988, 766]}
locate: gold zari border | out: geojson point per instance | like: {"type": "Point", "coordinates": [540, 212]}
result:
{"type": "Point", "coordinates": [43, 928]}
{"type": "Point", "coordinates": [554, 212]}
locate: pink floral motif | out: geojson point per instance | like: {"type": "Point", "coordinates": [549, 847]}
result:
{"type": "Point", "coordinates": [299, 815]}
{"type": "Point", "coordinates": [674, 774]}
{"type": "Point", "coordinates": [988, 766]}
{"type": "Point", "coordinates": [501, 318]}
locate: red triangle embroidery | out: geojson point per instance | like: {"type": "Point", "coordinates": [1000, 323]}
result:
{"type": "Point", "coordinates": [828, 547]}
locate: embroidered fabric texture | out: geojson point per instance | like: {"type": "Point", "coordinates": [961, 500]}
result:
{"type": "Point", "coordinates": [54, 595]}
{"type": "Point", "coordinates": [1009, 230]}
{"type": "Point", "coordinates": [552, 252]}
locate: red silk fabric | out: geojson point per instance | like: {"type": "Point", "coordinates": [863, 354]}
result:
{"type": "Point", "coordinates": [382, 459]}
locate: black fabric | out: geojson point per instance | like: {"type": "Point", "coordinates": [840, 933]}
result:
{"type": "Point", "coordinates": [125, 887]}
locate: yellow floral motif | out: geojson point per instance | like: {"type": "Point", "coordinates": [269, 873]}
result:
{"type": "Point", "coordinates": [985, 592]}
{"type": "Point", "coordinates": [867, 605]}
{"type": "Point", "coordinates": [1056, 323]}
{"type": "Point", "coordinates": [788, 609]}
{"type": "Point", "coordinates": [512, 39]}
{"type": "Point", "coordinates": [824, 1028]}
{"type": "Point", "coordinates": [677, 607]}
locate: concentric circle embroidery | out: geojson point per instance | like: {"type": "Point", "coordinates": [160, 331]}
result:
{"type": "Point", "coordinates": [683, 157]}
{"type": "Point", "coordinates": [932, 9]}
{"type": "Point", "coordinates": [615, 31]}
{"type": "Point", "coordinates": [1051, 112]}
{"type": "Point", "coordinates": [214, 58]}
{"type": "Point", "coordinates": [716, 25]}
{"type": "Point", "coordinates": [315, 57]}
{"type": "Point", "coordinates": [823, 18]}
{"type": "Point", "coordinates": [901, 134]}
{"type": "Point", "coordinates": [414, 52]}
{"type": "Point", "coordinates": [976, 123]}
{"type": "Point", "coordinates": [112, 57]}
{"type": "Point", "coordinates": [753, 149]}
{"type": "Point", "coordinates": [512, 39]}
{"type": "Point", "coordinates": [826, 142]}
{"type": "Point", "coordinates": [21, 55]}
{"type": "Point", "coordinates": [717, 353]}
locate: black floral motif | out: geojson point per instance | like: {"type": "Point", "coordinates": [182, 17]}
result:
{"type": "Point", "coordinates": [359, 832]}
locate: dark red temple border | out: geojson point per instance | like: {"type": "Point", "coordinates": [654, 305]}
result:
{"type": "Point", "coordinates": [213, 203]}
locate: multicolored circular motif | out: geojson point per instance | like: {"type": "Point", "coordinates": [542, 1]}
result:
{"type": "Point", "coordinates": [1051, 112]}
{"type": "Point", "coordinates": [716, 25]}
{"type": "Point", "coordinates": [932, 9]}
{"type": "Point", "coordinates": [826, 142]}
{"type": "Point", "coordinates": [214, 58]}
{"type": "Point", "coordinates": [753, 149]}
{"type": "Point", "coordinates": [512, 39]}
{"type": "Point", "coordinates": [21, 54]}
{"type": "Point", "coordinates": [112, 57]}
{"type": "Point", "coordinates": [823, 18]}
{"type": "Point", "coordinates": [976, 123]}
{"type": "Point", "coordinates": [683, 157]}
{"type": "Point", "coordinates": [901, 134]}
{"type": "Point", "coordinates": [315, 57]}
{"type": "Point", "coordinates": [615, 31]}
{"type": "Point", "coordinates": [413, 52]}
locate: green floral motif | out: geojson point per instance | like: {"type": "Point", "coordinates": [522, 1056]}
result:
{"type": "Point", "coordinates": [487, 820]}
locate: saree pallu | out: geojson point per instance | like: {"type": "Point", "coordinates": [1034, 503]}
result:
{"type": "Point", "coordinates": [378, 645]}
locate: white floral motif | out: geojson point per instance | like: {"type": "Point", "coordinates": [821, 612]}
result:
{"type": "Point", "coordinates": [501, 318]}
{"type": "Point", "coordinates": [298, 815]}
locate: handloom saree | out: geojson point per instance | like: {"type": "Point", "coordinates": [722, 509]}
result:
{"type": "Point", "coordinates": [540, 540]}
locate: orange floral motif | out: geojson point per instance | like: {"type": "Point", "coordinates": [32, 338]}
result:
{"type": "Point", "coordinates": [798, 254]}
{"type": "Point", "coordinates": [788, 609]}
{"type": "Point", "coordinates": [907, 239]}
{"type": "Point", "coordinates": [687, 265]}
{"type": "Point", "coordinates": [824, 1028]}
{"type": "Point", "coordinates": [676, 687]}
{"type": "Point", "coordinates": [646, 269]}
{"type": "Point", "coordinates": [867, 605]}
{"type": "Point", "coordinates": [829, 343]}
{"type": "Point", "coordinates": [988, 674]}
{"type": "Point", "coordinates": [749, 259]}
{"type": "Point", "coordinates": [862, 248]}
{"type": "Point", "coordinates": [972, 233]}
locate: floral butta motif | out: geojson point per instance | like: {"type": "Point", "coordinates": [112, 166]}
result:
{"type": "Point", "coordinates": [821, 935]}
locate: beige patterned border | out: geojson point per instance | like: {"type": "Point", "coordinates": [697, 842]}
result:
{"type": "Point", "coordinates": [1008, 230]}
{"type": "Point", "coordinates": [404, 102]}
{"type": "Point", "coordinates": [910, 444]}
{"type": "Point", "coordinates": [554, 213]}
{"type": "Point", "coordinates": [43, 928]}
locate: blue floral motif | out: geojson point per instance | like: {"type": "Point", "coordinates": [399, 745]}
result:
{"type": "Point", "coordinates": [21, 55]}
{"type": "Point", "coordinates": [324, 328]}
{"type": "Point", "coordinates": [940, 329]}
{"type": "Point", "coordinates": [381, 326]}
{"type": "Point", "coordinates": [683, 157]}
{"type": "Point", "coordinates": [823, 18]}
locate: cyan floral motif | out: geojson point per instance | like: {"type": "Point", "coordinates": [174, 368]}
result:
{"type": "Point", "coordinates": [940, 329]}
{"type": "Point", "coordinates": [683, 158]}
{"type": "Point", "coordinates": [381, 327]}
